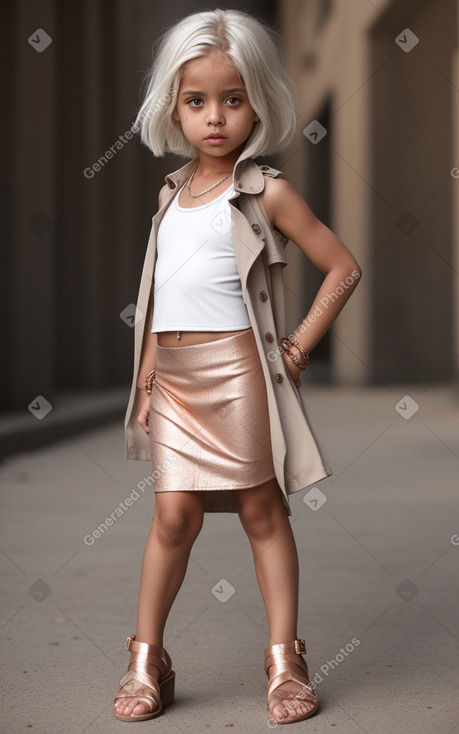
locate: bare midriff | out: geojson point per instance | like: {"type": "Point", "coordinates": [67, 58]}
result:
{"type": "Point", "coordinates": [188, 338]}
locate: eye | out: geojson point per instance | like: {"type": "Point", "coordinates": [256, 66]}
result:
{"type": "Point", "coordinates": [233, 101]}
{"type": "Point", "coordinates": [194, 102]}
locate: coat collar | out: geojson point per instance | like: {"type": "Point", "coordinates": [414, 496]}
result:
{"type": "Point", "coordinates": [247, 177]}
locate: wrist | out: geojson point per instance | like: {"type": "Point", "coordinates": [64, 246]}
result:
{"type": "Point", "coordinates": [295, 347]}
{"type": "Point", "coordinates": [295, 352]}
{"type": "Point", "coordinates": [297, 342]}
{"type": "Point", "coordinates": [147, 382]}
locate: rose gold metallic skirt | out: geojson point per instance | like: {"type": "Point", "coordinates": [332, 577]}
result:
{"type": "Point", "coordinates": [209, 420]}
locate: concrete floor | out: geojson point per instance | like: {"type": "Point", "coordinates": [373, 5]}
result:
{"type": "Point", "coordinates": [379, 578]}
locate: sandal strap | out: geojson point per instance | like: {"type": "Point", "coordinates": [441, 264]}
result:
{"type": "Point", "coordinates": [278, 680]}
{"type": "Point", "coordinates": [286, 655]}
{"type": "Point", "coordinates": [284, 662]}
{"type": "Point", "coordinates": [297, 647]}
{"type": "Point", "coordinates": [145, 656]}
{"type": "Point", "coordinates": [133, 681]}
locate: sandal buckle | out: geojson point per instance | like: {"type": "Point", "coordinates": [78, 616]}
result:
{"type": "Point", "coordinates": [128, 642]}
{"type": "Point", "coordinates": [300, 647]}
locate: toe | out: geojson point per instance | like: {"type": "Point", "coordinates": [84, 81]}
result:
{"type": "Point", "coordinates": [120, 705]}
{"type": "Point", "coordinates": [295, 708]}
{"type": "Point", "coordinates": [140, 708]}
{"type": "Point", "coordinates": [279, 712]}
{"type": "Point", "coordinates": [131, 707]}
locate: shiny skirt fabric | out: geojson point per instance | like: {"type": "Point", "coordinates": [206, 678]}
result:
{"type": "Point", "coordinates": [209, 420]}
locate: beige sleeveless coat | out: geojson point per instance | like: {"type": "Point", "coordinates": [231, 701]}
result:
{"type": "Point", "coordinates": [298, 454]}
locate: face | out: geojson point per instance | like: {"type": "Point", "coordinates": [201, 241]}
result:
{"type": "Point", "coordinates": [213, 106]}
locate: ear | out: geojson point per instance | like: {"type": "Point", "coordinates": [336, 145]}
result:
{"type": "Point", "coordinates": [175, 115]}
{"type": "Point", "coordinates": [256, 118]}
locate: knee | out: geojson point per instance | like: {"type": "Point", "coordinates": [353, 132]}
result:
{"type": "Point", "coordinates": [258, 520]}
{"type": "Point", "coordinates": [175, 525]}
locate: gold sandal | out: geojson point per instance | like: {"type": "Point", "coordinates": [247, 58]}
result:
{"type": "Point", "coordinates": [284, 663]}
{"type": "Point", "coordinates": [161, 691]}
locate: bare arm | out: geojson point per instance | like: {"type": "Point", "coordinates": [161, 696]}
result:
{"type": "Point", "coordinates": [148, 361]}
{"type": "Point", "coordinates": [289, 213]}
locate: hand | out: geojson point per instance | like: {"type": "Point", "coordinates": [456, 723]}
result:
{"type": "Point", "coordinates": [144, 412]}
{"type": "Point", "coordinates": [292, 369]}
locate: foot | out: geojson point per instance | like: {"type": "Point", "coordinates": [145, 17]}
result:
{"type": "Point", "coordinates": [134, 704]}
{"type": "Point", "coordinates": [290, 695]}
{"type": "Point", "coordinates": [148, 685]}
{"type": "Point", "coordinates": [292, 701]}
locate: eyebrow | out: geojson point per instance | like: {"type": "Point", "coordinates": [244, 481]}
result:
{"type": "Point", "coordinates": [225, 91]}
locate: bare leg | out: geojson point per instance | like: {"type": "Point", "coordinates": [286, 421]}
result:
{"type": "Point", "coordinates": [177, 521]}
{"type": "Point", "coordinates": [265, 520]}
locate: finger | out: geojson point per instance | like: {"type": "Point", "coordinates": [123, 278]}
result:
{"type": "Point", "coordinates": [142, 420]}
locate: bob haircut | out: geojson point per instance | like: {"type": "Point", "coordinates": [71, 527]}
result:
{"type": "Point", "coordinates": [252, 48]}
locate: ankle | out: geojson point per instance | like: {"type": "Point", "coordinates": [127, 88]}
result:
{"type": "Point", "coordinates": [282, 639]}
{"type": "Point", "coordinates": [150, 639]}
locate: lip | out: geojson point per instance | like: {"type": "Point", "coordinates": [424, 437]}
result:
{"type": "Point", "coordinates": [215, 136]}
{"type": "Point", "coordinates": [215, 140]}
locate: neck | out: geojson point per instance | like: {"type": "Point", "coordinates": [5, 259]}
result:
{"type": "Point", "coordinates": [209, 167]}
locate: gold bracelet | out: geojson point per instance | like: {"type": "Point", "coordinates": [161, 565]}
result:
{"type": "Point", "coordinates": [301, 349]}
{"type": "Point", "coordinates": [284, 341]}
{"type": "Point", "coordinates": [149, 381]}
{"type": "Point", "coordinates": [302, 366]}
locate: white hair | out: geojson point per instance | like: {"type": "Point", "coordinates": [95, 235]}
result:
{"type": "Point", "coordinates": [252, 48]}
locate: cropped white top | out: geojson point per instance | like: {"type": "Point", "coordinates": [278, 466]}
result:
{"type": "Point", "coordinates": [197, 284]}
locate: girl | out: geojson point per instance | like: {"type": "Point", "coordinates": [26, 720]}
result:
{"type": "Point", "coordinates": [215, 403]}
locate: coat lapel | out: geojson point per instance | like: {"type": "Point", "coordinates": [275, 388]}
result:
{"type": "Point", "coordinates": [247, 179]}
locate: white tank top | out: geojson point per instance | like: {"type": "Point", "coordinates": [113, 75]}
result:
{"type": "Point", "coordinates": [197, 284]}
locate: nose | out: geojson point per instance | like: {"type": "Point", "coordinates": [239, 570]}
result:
{"type": "Point", "coordinates": [215, 115]}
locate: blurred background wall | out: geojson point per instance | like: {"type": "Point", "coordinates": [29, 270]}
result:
{"type": "Point", "coordinates": [381, 80]}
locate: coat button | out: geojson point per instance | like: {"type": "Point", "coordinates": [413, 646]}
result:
{"type": "Point", "coordinates": [279, 377]}
{"type": "Point", "coordinates": [263, 296]}
{"type": "Point", "coordinates": [269, 337]}
{"type": "Point", "coordinates": [256, 228]}
{"type": "Point", "coordinates": [239, 186]}
{"type": "Point", "coordinates": [264, 168]}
